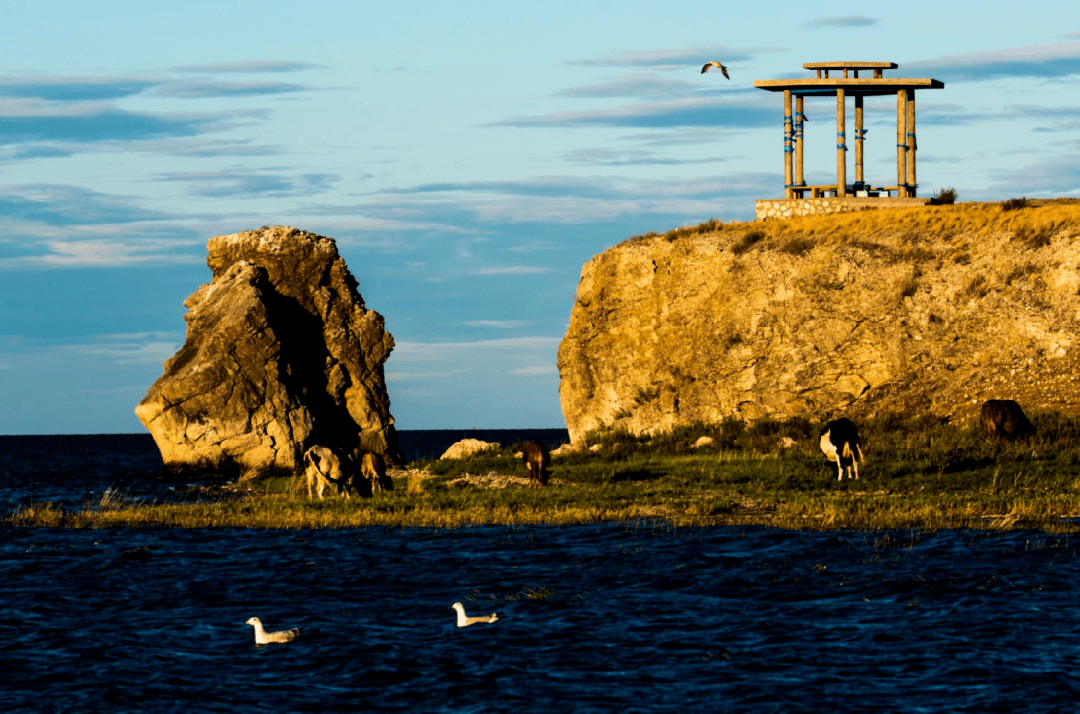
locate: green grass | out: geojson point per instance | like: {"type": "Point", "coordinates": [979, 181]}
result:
{"type": "Point", "coordinates": [919, 473]}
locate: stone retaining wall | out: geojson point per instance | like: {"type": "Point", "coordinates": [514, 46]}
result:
{"type": "Point", "coordinates": [790, 208]}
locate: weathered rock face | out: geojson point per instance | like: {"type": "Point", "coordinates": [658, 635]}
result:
{"type": "Point", "coordinates": [932, 309]}
{"type": "Point", "coordinates": [281, 354]}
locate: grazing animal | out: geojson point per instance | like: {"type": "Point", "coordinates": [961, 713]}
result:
{"type": "Point", "coordinates": [716, 64]}
{"type": "Point", "coordinates": [537, 459]}
{"type": "Point", "coordinates": [373, 468]}
{"type": "Point", "coordinates": [840, 443]}
{"type": "Point", "coordinates": [464, 620]}
{"type": "Point", "coordinates": [1003, 418]}
{"type": "Point", "coordinates": [323, 467]}
{"type": "Point", "coordinates": [262, 637]}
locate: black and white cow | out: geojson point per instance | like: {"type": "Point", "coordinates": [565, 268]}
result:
{"type": "Point", "coordinates": [840, 443]}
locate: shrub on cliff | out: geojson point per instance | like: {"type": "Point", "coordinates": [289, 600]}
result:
{"type": "Point", "coordinates": [945, 196]}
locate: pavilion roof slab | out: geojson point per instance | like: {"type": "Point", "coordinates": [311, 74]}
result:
{"type": "Point", "coordinates": [852, 87]}
{"type": "Point", "coordinates": [849, 65]}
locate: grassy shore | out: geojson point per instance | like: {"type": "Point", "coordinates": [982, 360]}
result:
{"type": "Point", "coordinates": [919, 473]}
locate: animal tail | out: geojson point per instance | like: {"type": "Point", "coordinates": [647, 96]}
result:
{"type": "Point", "coordinates": [847, 450]}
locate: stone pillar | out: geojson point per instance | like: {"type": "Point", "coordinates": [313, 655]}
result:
{"type": "Point", "coordinates": [911, 147]}
{"type": "Point", "coordinates": [788, 179]}
{"type": "Point", "coordinates": [800, 134]}
{"type": "Point", "coordinates": [901, 142]}
{"type": "Point", "coordinates": [859, 139]}
{"type": "Point", "coordinates": [841, 147]}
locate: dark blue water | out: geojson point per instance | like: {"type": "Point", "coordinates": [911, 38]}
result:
{"type": "Point", "coordinates": [627, 617]}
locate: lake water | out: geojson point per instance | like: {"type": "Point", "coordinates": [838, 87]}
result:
{"type": "Point", "coordinates": [623, 617]}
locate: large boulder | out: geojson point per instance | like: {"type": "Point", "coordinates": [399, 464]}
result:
{"type": "Point", "coordinates": [281, 354]}
{"type": "Point", "coordinates": [466, 448]}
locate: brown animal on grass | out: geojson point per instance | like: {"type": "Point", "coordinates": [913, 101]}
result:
{"type": "Point", "coordinates": [1003, 418]}
{"type": "Point", "coordinates": [373, 468]}
{"type": "Point", "coordinates": [537, 459]}
{"type": "Point", "coordinates": [323, 467]}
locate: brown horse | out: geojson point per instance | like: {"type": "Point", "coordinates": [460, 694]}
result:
{"type": "Point", "coordinates": [537, 459]}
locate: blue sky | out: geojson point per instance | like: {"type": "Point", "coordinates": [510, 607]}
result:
{"type": "Point", "coordinates": [468, 157]}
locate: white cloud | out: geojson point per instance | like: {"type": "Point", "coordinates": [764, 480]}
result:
{"type": "Point", "coordinates": [537, 371]}
{"type": "Point", "coordinates": [500, 324]}
{"type": "Point", "coordinates": [512, 270]}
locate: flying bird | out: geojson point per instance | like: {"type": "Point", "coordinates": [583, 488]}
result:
{"type": "Point", "coordinates": [716, 64]}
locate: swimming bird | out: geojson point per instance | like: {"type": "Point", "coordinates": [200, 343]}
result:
{"type": "Point", "coordinates": [464, 620]}
{"type": "Point", "coordinates": [262, 637]}
{"type": "Point", "coordinates": [716, 64]}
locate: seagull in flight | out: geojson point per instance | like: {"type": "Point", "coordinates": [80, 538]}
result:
{"type": "Point", "coordinates": [716, 64]}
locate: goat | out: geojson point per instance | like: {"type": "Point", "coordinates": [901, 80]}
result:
{"type": "Point", "coordinates": [324, 466]}
{"type": "Point", "coordinates": [1004, 418]}
{"type": "Point", "coordinates": [373, 468]}
{"type": "Point", "coordinates": [840, 443]}
{"type": "Point", "coordinates": [537, 459]}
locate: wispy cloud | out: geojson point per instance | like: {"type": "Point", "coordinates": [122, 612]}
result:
{"type": "Point", "coordinates": [673, 58]}
{"type": "Point", "coordinates": [842, 21]}
{"type": "Point", "coordinates": [63, 205]}
{"type": "Point", "coordinates": [512, 270]}
{"type": "Point", "coordinates": [1056, 176]}
{"type": "Point", "coordinates": [577, 199]}
{"type": "Point", "coordinates": [265, 67]}
{"type": "Point", "coordinates": [498, 324]}
{"type": "Point", "coordinates": [238, 182]}
{"type": "Point", "coordinates": [99, 124]}
{"type": "Point", "coordinates": [1041, 61]}
{"type": "Point", "coordinates": [75, 89]}
{"type": "Point", "coordinates": [502, 356]}
{"type": "Point", "coordinates": [632, 157]}
{"type": "Point", "coordinates": [223, 90]}
{"type": "Point", "coordinates": [63, 115]}
{"type": "Point", "coordinates": [740, 111]}
{"type": "Point", "coordinates": [636, 84]}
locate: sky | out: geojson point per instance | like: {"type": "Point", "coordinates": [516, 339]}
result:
{"type": "Point", "coordinates": [467, 157]}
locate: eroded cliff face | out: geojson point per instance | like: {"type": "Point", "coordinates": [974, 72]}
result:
{"type": "Point", "coordinates": [930, 309]}
{"type": "Point", "coordinates": [281, 354]}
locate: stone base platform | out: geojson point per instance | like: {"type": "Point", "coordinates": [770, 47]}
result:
{"type": "Point", "coordinates": [773, 209]}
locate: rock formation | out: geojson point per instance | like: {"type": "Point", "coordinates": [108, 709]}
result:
{"type": "Point", "coordinates": [467, 447]}
{"type": "Point", "coordinates": [281, 354]}
{"type": "Point", "coordinates": [924, 310]}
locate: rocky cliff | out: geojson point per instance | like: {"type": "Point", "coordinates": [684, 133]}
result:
{"type": "Point", "coordinates": [914, 309]}
{"type": "Point", "coordinates": [281, 354]}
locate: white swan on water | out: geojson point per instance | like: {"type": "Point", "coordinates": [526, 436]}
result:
{"type": "Point", "coordinates": [262, 637]}
{"type": "Point", "coordinates": [464, 620]}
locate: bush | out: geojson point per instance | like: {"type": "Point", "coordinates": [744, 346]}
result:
{"type": "Point", "coordinates": [1014, 204]}
{"type": "Point", "coordinates": [747, 241]}
{"type": "Point", "coordinates": [945, 196]}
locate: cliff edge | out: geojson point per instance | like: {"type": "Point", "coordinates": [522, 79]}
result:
{"type": "Point", "coordinates": [914, 309]}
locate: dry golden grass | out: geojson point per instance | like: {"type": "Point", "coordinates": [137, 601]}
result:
{"type": "Point", "coordinates": [960, 225]}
